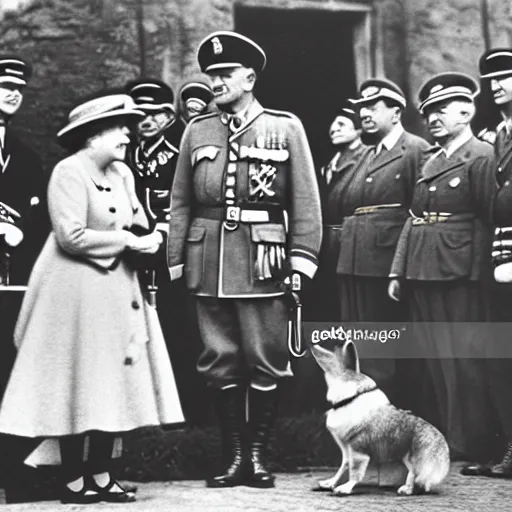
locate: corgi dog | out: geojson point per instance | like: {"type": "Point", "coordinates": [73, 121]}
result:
{"type": "Point", "coordinates": [366, 426]}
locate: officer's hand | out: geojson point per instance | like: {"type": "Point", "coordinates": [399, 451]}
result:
{"type": "Point", "coordinates": [394, 289]}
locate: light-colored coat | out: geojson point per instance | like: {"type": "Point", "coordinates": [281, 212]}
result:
{"type": "Point", "coordinates": [83, 315]}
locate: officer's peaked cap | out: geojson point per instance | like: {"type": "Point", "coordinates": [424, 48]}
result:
{"type": "Point", "coordinates": [379, 88]}
{"type": "Point", "coordinates": [496, 62]}
{"type": "Point", "coordinates": [196, 90]}
{"type": "Point", "coordinates": [445, 86]}
{"type": "Point", "coordinates": [14, 70]}
{"type": "Point", "coordinates": [347, 110]}
{"type": "Point", "coordinates": [226, 49]}
{"type": "Point", "coordinates": [151, 94]}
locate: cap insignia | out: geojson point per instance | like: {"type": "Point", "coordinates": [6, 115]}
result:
{"type": "Point", "coordinates": [217, 46]}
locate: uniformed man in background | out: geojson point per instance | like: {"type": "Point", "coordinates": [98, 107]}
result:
{"type": "Point", "coordinates": [495, 67]}
{"type": "Point", "coordinates": [345, 135]}
{"type": "Point", "coordinates": [443, 267]}
{"type": "Point", "coordinates": [194, 98]}
{"type": "Point", "coordinates": [23, 202]}
{"type": "Point", "coordinates": [23, 196]}
{"type": "Point", "coordinates": [245, 213]}
{"type": "Point", "coordinates": [153, 158]}
{"type": "Point", "coordinates": [375, 206]}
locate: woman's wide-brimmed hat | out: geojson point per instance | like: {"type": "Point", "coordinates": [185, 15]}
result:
{"type": "Point", "coordinates": [104, 107]}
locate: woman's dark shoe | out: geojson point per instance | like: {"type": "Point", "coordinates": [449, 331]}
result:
{"type": "Point", "coordinates": [85, 496]}
{"type": "Point", "coordinates": [475, 469]}
{"type": "Point", "coordinates": [113, 492]}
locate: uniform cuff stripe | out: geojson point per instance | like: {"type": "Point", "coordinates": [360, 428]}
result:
{"type": "Point", "coordinates": [303, 265]}
{"type": "Point", "coordinates": [304, 253]}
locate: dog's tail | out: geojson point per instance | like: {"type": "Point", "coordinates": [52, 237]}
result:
{"type": "Point", "coordinates": [432, 463]}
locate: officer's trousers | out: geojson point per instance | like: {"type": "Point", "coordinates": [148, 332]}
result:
{"type": "Point", "coordinates": [244, 340]}
{"type": "Point", "coordinates": [453, 330]}
{"type": "Point", "coordinates": [365, 299]}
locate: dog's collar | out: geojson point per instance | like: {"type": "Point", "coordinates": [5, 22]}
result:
{"type": "Point", "coordinates": [346, 401]}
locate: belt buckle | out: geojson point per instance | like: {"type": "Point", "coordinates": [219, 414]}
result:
{"type": "Point", "coordinates": [232, 217]}
{"type": "Point", "coordinates": [418, 221]}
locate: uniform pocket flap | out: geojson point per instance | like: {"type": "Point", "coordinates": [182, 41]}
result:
{"type": "Point", "coordinates": [195, 234]}
{"type": "Point", "coordinates": [269, 233]}
{"type": "Point", "coordinates": [208, 152]}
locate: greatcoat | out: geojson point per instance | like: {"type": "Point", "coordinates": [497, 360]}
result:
{"type": "Point", "coordinates": [83, 315]}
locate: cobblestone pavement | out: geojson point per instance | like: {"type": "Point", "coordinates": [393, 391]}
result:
{"type": "Point", "coordinates": [293, 494]}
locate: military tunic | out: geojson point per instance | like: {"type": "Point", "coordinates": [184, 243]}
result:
{"type": "Point", "coordinates": [244, 203]}
{"type": "Point", "coordinates": [154, 165]}
{"type": "Point", "coordinates": [500, 370]}
{"type": "Point", "coordinates": [374, 209]}
{"type": "Point", "coordinates": [22, 180]}
{"type": "Point", "coordinates": [332, 180]}
{"type": "Point", "coordinates": [443, 261]}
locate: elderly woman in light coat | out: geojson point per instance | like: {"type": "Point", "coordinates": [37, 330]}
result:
{"type": "Point", "coordinates": [92, 361]}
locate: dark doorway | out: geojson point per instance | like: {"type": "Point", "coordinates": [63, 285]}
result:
{"type": "Point", "coordinates": [310, 64]}
{"type": "Point", "coordinates": [310, 72]}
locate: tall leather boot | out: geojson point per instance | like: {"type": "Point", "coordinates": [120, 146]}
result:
{"type": "Point", "coordinates": [230, 408]}
{"type": "Point", "coordinates": [262, 414]}
{"type": "Point", "coordinates": [504, 468]}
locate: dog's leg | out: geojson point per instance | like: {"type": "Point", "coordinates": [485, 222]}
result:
{"type": "Point", "coordinates": [408, 488]}
{"type": "Point", "coordinates": [357, 465]}
{"type": "Point", "coordinates": [330, 483]}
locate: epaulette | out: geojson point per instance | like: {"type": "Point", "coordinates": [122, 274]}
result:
{"type": "Point", "coordinates": [281, 113]}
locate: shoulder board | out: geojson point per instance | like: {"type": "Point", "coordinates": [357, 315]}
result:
{"type": "Point", "coordinates": [202, 117]}
{"type": "Point", "coordinates": [281, 113]}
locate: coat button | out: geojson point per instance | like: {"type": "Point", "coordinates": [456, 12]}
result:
{"type": "Point", "coordinates": [507, 183]}
{"type": "Point", "coordinates": [112, 209]}
{"type": "Point", "coordinates": [369, 180]}
{"type": "Point", "coordinates": [135, 305]}
{"type": "Point", "coordinates": [432, 189]}
{"type": "Point", "coordinates": [500, 169]}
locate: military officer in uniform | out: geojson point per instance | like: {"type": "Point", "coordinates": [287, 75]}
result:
{"type": "Point", "coordinates": [23, 186]}
{"type": "Point", "coordinates": [153, 159]}
{"type": "Point", "coordinates": [496, 73]}
{"type": "Point", "coordinates": [345, 135]}
{"type": "Point", "coordinates": [23, 193]}
{"type": "Point", "coordinates": [194, 98]}
{"type": "Point", "coordinates": [442, 261]}
{"type": "Point", "coordinates": [245, 208]}
{"type": "Point", "coordinates": [374, 209]}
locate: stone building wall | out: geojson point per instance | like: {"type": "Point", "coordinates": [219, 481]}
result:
{"type": "Point", "coordinates": [77, 49]}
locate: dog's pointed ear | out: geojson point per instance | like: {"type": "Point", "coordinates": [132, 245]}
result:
{"type": "Point", "coordinates": [349, 356]}
{"type": "Point", "coordinates": [325, 358]}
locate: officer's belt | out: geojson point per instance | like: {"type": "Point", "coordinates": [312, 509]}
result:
{"type": "Point", "coordinates": [245, 213]}
{"type": "Point", "coordinates": [433, 218]}
{"type": "Point", "coordinates": [365, 210]}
